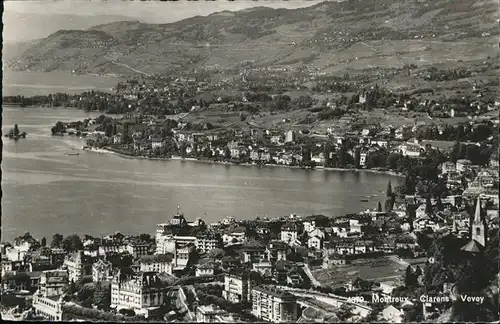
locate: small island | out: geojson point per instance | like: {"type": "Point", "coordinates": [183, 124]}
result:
{"type": "Point", "coordinates": [15, 134]}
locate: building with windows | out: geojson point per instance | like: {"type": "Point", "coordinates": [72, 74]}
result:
{"type": "Point", "coordinates": [276, 251]}
{"type": "Point", "coordinates": [101, 271]}
{"type": "Point", "coordinates": [238, 284]}
{"type": "Point", "coordinates": [208, 241]}
{"type": "Point", "coordinates": [77, 265]}
{"type": "Point", "coordinates": [273, 305]}
{"type": "Point", "coordinates": [142, 292]}
{"type": "Point", "coordinates": [206, 269]}
{"type": "Point", "coordinates": [161, 263]}
{"type": "Point", "coordinates": [47, 300]}
{"type": "Point", "coordinates": [208, 314]}
{"type": "Point", "coordinates": [289, 233]}
{"type": "Point", "coordinates": [137, 249]}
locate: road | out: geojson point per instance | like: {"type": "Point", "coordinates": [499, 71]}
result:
{"type": "Point", "coordinates": [130, 68]}
{"type": "Point", "coordinates": [308, 272]}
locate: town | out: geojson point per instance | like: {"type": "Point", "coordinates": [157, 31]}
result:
{"type": "Point", "coordinates": [427, 252]}
{"type": "Point", "coordinates": [412, 260]}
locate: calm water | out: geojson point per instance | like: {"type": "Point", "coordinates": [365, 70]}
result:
{"type": "Point", "coordinates": [46, 191]}
{"type": "Point", "coordinates": [38, 83]}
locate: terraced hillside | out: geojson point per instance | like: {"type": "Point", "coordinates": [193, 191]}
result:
{"type": "Point", "coordinates": [354, 34]}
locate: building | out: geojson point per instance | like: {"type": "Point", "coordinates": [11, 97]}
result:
{"type": "Point", "coordinates": [101, 271]}
{"type": "Point", "coordinates": [334, 260]}
{"type": "Point", "coordinates": [463, 165]}
{"type": "Point", "coordinates": [276, 251]}
{"type": "Point", "coordinates": [253, 252]}
{"type": "Point", "coordinates": [47, 300]}
{"type": "Point", "coordinates": [77, 266]}
{"type": "Point", "coordinates": [448, 167]}
{"type": "Point", "coordinates": [478, 231]}
{"type": "Point", "coordinates": [161, 263]}
{"type": "Point", "coordinates": [237, 235]}
{"type": "Point", "coordinates": [273, 305]}
{"type": "Point", "coordinates": [290, 136]}
{"type": "Point", "coordinates": [206, 269]}
{"type": "Point", "coordinates": [238, 284]}
{"type": "Point", "coordinates": [315, 242]}
{"type": "Point", "coordinates": [289, 233]}
{"type": "Point", "coordinates": [137, 249]}
{"type": "Point", "coordinates": [156, 143]}
{"type": "Point", "coordinates": [142, 292]}
{"type": "Point", "coordinates": [392, 315]}
{"type": "Point", "coordinates": [208, 314]}
{"type": "Point", "coordinates": [208, 241]}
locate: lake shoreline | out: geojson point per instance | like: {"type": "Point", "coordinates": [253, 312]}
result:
{"type": "Point", "coordinates": [178, 158]}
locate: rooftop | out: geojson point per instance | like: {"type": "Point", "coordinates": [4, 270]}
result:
{"type": "Point", "coordinates": [273, 291]}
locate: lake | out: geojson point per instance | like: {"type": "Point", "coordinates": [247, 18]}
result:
{"type": "Point", "coordinates": [39, 83]}
{"type": "Point", "coordinates": [46, 191]}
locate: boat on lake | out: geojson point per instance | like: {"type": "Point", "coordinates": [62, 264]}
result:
{"type": "Point", "coordinates": [364, 200]}
{"type": "Point", "coordinates": [15, 134]}
{"type": "Point", "coordinates": [73, 153]}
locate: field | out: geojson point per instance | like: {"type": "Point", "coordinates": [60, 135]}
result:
{"type": "Point", "coordinates": [368, 269]}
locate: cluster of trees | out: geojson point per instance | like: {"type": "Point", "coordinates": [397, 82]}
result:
{"type": "Point", "coordinates": [433, 74]}
{"type": "Point", "coordinates": [472, 274]}
{"type": "Point", "coordinates": [335, 86]}
{"type": "Point", "coordinates": [240, 308]}
{"type": "Point", "coordinates": [461, 132]}
{"type": "Point", "coordinates": [476, 154]}
{"type": "Point", "coordinates": [70, 243]}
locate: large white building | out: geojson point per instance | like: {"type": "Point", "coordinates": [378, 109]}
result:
{"type": "Point", "coordinates": [47, 300]}
{"type": "Point", "coordinates": [142, 292]}
{"type": "Point", "coordinates": [273, 305]}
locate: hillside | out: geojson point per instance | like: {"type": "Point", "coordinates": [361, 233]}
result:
{"type": "Point", "coordinates": [333, 36]}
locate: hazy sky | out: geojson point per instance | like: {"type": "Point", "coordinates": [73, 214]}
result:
{"type": "Point", "coordinates": [25, 20]}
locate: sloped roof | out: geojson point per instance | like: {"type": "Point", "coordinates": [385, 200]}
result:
{"type": "Point", "coordinates": [473, 247]}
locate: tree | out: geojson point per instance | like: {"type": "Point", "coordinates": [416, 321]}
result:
{"type": "Point", "coordinates": [216, 254]}
{"type": "Point", "coordinates": [72, 243]}
{"type": "Point", "coordinates": [43, 242]}
{"type": "Point", "coordinates": [227, 153]}
{"type": "Point", "coordinates": [410, 278]}
{"type": "Point", "coordinates": [16, 130]}
{"type": "Point", "coordinates": [102, 297]}
{"type": "Point", "coordinates": [388, 192]}
{"type": "Point", "coordinates": [428, 206]}
{"type": "Point", "coordinates": [379, 207]}
{"type": "Point", "coordinates": [56, 241]}
{"type": "Point", "coordinates": [357, 158]}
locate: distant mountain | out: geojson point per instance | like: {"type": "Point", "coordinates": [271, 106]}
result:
{"type": "Point", "coordinates": [352, 34]}
{"type": "Point", "coordinates": [22, 27]}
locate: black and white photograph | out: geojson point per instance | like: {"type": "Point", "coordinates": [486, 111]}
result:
{"type": "Point", "coordinates": [273, 161]}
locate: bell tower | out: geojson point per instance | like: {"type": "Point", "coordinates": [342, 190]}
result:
{"type": "Point", "coordinates": [478, 226]}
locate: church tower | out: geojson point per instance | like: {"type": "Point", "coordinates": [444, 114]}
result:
{"type": "Point", "coordinates": [478, 226]}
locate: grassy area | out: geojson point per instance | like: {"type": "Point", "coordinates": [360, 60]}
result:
{"type": "Point", "coordinates": [365, 269]}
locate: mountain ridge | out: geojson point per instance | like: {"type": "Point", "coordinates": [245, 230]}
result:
{"type": "Point", "coordinates": [327, 34]}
